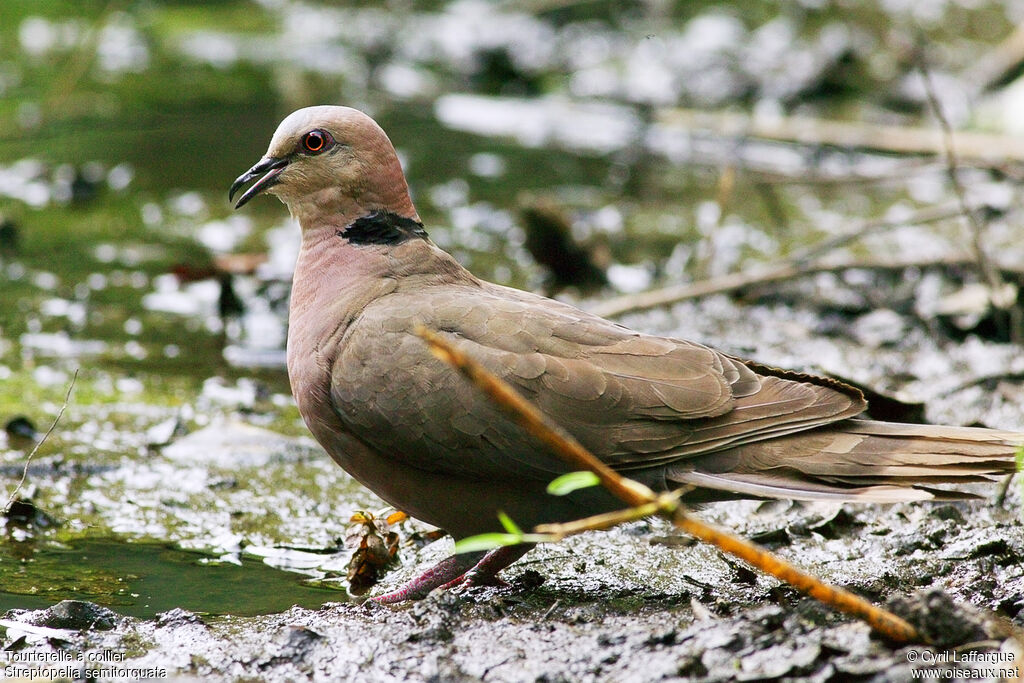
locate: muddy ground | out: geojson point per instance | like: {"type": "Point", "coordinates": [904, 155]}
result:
{"type": "Point", "coordinates": [634, 604]}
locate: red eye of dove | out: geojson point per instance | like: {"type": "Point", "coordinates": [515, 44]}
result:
{"type": "Point", "coordinates": [316, 141]}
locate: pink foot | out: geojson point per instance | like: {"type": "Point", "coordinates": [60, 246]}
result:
{"type": "Point", "coordinates": [467, 581]}
{"type": "Point", "coordinates": [469, 569]}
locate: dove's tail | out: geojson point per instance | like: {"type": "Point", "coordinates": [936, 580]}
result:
{"type": "Point", "coordinates": [856, 460]}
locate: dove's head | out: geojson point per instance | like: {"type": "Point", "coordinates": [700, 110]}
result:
{"type": "Point", "coordinates": [331, 166]}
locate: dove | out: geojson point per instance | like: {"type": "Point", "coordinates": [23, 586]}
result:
{"type": "Point", "coordinates": [666, 412]}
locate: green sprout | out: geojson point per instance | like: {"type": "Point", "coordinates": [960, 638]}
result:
{"type": "Point", "coordinates": [563, 485]}
{"type": "Point", "coordinates": [573, 481]}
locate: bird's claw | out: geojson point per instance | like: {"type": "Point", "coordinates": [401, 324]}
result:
{"type": "Point", "coordinates": [474, 579]}
{"type": "Point", "coordinates": [459, 571]}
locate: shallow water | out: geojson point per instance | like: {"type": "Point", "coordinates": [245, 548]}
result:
{"type": "Point", "coordinates": [145, 579]}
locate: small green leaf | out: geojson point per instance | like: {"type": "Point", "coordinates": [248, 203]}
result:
{"type": "Point", "coordinates": [508, 524]}
{"type": "Point", "coordinates": [486, 542]}
{"type": "Point", "coordinates": [567, 483]}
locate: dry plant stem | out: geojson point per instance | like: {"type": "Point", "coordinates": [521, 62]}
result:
{"type": "Point", "coordinates": [28, 460]}
{"type": "Point", "coordinates": [998, 65]}
{"type": "Point", "coordinates": [988, 271]}
{"type": "Point", "coordinates": [629, 303]}
{"type": "Point", "coordinates": [636, 494]}
{"type": "Point", "coordinates": [884, 622]}
{"type": "Point", "coordinates": [932, 214]}
{"type": "Point", "coordinates": [799, 264]}
{"type": "Point", "coordinates": [666, 296]}
{"type": "Point", "coordinates": [558, 532]}
{"type": "Point", "coordinates": [974, 147]}
{"type": "Point", "coordinates": [817, 177]}
{"type": "Point", "coordinates": [1003, 491]}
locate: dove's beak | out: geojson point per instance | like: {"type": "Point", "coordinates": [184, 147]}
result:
{"type": "Point", "coordinates": [266, 170]}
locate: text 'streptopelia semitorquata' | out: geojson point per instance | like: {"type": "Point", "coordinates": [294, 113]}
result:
{"type": "Point", "coordinates": [667, 412]}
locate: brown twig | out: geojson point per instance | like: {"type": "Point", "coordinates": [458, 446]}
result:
{"type": "Point", "coordinates": [636, 494]}
{"type": "Point", "coordinates": [1003, 491]}
{"type": "Point", "coordinates": [850, 177]}
{"type": "Point", "coordinates": [557, 532]}
{"type": "Point", "coordinates": [998, 66]}
{"type": "Point", "coordinates": [642, 301]}
{"type": "Point", "coordinates": [974, 147]}
{"type": "Point", "coordinates": [1002, 303]}
{"type": "Point", "coordinates": [32, 453]}
{"type": "Point", "coordinates": [725, 284]}
{"type": "Point", "coordinates": [798, 265]}
{"type": "Point", "coordinates": [931, 214]}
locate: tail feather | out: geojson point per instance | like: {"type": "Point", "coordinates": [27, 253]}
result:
{"type": "Point", "coordinates": [857, 460]}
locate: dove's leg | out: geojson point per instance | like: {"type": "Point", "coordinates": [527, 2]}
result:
{"type": "Point", "coordinates": [470, 569]}
{"type": "Point", "coordinates": [485, 572]}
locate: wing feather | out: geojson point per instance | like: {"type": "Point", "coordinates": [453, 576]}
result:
{"type": "Point", "coordinates": [635, 400]}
